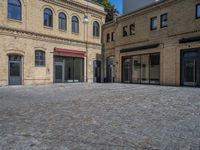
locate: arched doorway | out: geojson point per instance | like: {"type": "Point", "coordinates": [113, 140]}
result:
{"type": "Point", "coordinates": [14, 69]}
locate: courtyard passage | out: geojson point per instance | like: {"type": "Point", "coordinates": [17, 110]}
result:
{"type": "Point", "coordinates": [99, 117]}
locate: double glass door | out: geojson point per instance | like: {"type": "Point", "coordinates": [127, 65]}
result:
{"type": "Point", "coordinates": [68, 69]}
{"type": "Point", "coordinates": [190, 74]}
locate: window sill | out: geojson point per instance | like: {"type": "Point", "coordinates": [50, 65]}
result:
{"type": "Point", "coordinates": [75, 33]}
{"type": "Point", "coordinates": [40, 66]}
{"type": "Point", "coordinates": [197, 18]}
{"type": "Point", "coordinates": [154, 30]}
{"type": "Point", "coordinates": [47, 27]}
{"type": "Point", "coordinates": [96, 37]}
{"type": "Point", "coordinates": [163, 27]}
{"type": "Point", "coordinates": [63, 30]}
{"type": "Point", "coordinates": [15, 20]}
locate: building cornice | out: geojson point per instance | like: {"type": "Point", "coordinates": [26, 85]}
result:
{"type": "Point", "coordinates": [140, 12]}
{"type": "Point", "coordinates": [44, 37]}
{"type": "Point", "coordinates": [73, 5]}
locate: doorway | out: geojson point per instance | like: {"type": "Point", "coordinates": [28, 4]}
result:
{"type": "Point", "coordinates": [110, 69]}
{"type": "Point", "coordinates": [15, 70]}
{"type": "Point", "coordinates": [97, 71]}
{"type": "Point", "coordinates": [190, 68]}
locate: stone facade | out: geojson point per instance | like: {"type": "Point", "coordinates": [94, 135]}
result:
{"type": "Point", "coordinates": [25, 36]}
{"type": "Point", "coordinates": [182, 24]}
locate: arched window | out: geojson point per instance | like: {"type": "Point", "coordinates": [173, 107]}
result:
{"type": "Point", "coordinates": [75, 24]}
{"type": "Point", "coordinates": [48, 17]}
{"type": "Point", "coordinates": [62, 21]}
{"type": "Point", "coordinates": [96, 29]}
{"type": "Point", "coordinates": [39, 58]}
{"type": "Point", "coordinates": [14, 9]}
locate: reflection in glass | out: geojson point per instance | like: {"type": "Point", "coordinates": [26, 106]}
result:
{"type": "Point", "coordinates": [190, 68]}
{"type": "Point", "coordinates": [59, 73]}
{"type": "Point", "coordinates": [69, 69]}
{"type": "Point", "coordinates": [145, 69]}
{"type": "Point", "coordinates": [136, 69]}
{"type": "Point", "coordinates": [155, 68]}
{"type": "Point", "coordinates": [127, 70]}
{"type": "Point", "coordinates": [190, 71]}
{"type": "Point", "coordinates": [78, 70]}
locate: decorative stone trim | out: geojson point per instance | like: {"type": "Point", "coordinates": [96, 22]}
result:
{"type": "Point", "coordinates": [44, 37]}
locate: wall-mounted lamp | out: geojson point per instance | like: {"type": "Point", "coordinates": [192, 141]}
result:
{"type": "Point", "coordinates": [85, 19]}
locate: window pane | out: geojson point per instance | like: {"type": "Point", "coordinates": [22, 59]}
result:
{"type": "Point", "coordinates": [132, 29]}
{"type": "Point", "coordinates": [154, 23]}
{"type": "Point", "coordinates": [48, 17]}
{"type": "Point", "coordinates": [145, 68]}
{"type": "Point", "coordinates": [164, 20]}
{"type": "Point", "coordinates": [14, 9]}
{"type": "Point", "coordinates": [96, 28]}
{"type": "Point", "coordinates": [136, 69]}
{"type": "Point", "coordinates": [75, 24]}
{"type": "Point", "coordinates": [198, 10]}
{"type": "Point", "coordinates": [127, 70]}
{"type": "Point", "coordinates": [62, 21]}
{"type": "Point", "coordinates": [39, 58]}
{"type": "Point", "coordinates": [125, 33]}
{"type": "Point", "coordinates": [155, 68]}
{"type": "Point", "coordinates": [78, 70]}
{"type": "Point", "coordinates": [69, 70]}
{"type": "Point", "coordinates": [14, 69]}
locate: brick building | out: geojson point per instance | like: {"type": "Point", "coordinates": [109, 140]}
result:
{"type": "Point", "coordinates": [158, 44]}
{"type": "Point", "coordinates": [44, 41]}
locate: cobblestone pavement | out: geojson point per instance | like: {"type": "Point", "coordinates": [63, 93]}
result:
{"type": "Point", "coordinates": [99, 117]}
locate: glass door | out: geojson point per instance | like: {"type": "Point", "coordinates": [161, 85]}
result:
{"type": "Point", "coordinates": [127, 70]}
{"type": "Point", "coordinates": [59, 72]}
{"type": "Point", "coordinates": [190, 64]}
{"type": "Point", "coordinates": [69, 69]}
{"type": "Point", "coordinates": [14, 70]}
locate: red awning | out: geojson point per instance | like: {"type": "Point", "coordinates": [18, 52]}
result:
{"type": "Point", "coordinates": [69, 51]}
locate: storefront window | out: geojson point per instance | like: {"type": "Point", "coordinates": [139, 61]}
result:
{"type": "Point", "coordinates": [155, 68]}
{"type": "Point", "coordinates": [142, 69]}
{"type": "Point", "coordinates": [127, 64]}
{"type": "Point", "coordinates": [145, 69]}
{"type": "Point", "coordinates": [136, 69]}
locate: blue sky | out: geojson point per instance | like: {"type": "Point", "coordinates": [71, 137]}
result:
{"type": "Point", "coordinates": [118, 4]}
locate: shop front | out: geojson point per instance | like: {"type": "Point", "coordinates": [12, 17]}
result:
{"type": "Point", "coordinates": [141, 69]}
{"type": "Point", "coordinates": [69, 67]}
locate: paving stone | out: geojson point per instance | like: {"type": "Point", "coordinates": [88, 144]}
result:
{"type": "Point", "coordinates": [99, 117]}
